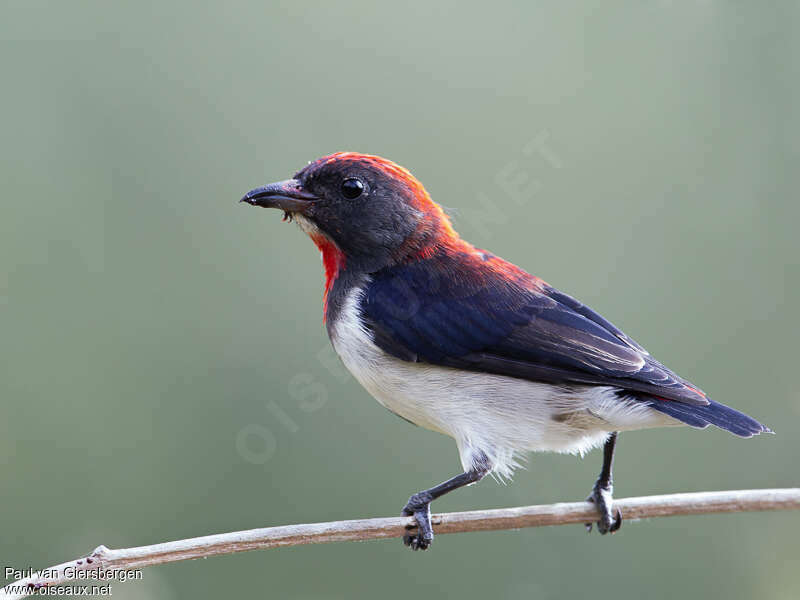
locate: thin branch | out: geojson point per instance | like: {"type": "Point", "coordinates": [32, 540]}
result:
{"type": "Point", "coordinates": [107, 560]}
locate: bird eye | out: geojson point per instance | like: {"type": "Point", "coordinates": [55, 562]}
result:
{"type": "Point", "coordinates": [352, 188]}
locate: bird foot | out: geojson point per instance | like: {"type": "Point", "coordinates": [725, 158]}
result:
{"type": "Point", "coordinates": [602, 498]}
{"type": "Point", "coordinates": [419, 506]}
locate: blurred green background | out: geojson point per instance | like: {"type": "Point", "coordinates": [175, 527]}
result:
{"type": "Point", "coordinates": [157, 338]}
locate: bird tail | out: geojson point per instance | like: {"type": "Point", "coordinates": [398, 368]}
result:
{"type": "Point", "coordinates": [712, 413]}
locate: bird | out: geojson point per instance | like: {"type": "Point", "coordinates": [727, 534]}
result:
{"type": "Point", "coordinates": [457, 340]}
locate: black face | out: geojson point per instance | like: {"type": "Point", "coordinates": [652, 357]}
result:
{"type": "Point", "coordinates": [367, 206]}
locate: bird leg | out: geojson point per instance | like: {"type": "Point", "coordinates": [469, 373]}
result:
{"type": "Point", "coordinates": [602, 491]}
{"type": "Point", "coordinates": [419, 505]}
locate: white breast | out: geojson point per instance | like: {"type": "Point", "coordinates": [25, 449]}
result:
{"type": "Point", "coordinates": [493, 415]}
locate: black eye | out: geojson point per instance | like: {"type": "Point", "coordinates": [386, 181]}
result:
{"type": "Point", "coordinates": [352, 188]}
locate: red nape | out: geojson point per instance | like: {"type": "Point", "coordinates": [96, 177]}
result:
{"type": "Point", "coordinates": [333, 260]}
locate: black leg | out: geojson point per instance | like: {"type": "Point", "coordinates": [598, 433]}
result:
{"type": "Point", "coordinates": [602, 492]}
{"type": "Point", "coordinates": [419, 505]}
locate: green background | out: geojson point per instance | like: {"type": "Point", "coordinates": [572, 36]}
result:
{"type": "Point", "coordinates": [158, 339]}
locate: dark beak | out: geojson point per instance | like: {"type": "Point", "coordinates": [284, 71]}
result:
{"type": "Point", "coordinates": [288, 196]}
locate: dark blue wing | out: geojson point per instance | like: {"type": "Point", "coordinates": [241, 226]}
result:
{"type": "Point", "coordinates": [474, 311]}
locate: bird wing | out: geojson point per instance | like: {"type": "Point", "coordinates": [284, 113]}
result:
{"type": "Point", "coordinates": [468, 309]}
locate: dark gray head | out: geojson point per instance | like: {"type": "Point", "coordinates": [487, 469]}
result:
{"type": "Point", "coordinates": [375, 212]}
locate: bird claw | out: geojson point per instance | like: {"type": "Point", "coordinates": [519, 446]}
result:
{"type": "Point", "coordinates": [416, 542]}
{"type": "Point", "coordinates": [601, 497]}
{"type": "Point", "coordinates": [423, 538]}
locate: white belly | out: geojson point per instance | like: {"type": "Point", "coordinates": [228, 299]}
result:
{"type": "Point", "coordinates": [493, 415]}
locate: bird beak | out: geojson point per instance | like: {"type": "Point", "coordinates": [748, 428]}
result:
{"type": "Point", "coordinates": [288, 196]}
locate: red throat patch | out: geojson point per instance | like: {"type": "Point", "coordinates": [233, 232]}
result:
{"type": "Point", "coordinates": [333, 260]}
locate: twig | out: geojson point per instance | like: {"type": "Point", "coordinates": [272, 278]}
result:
{"type": "Point", "coordinates": [106, 560]}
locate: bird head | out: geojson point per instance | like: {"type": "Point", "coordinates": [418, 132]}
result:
{"type": "Point", "coordinates": [360, 210]}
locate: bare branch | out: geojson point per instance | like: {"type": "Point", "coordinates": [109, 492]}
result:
{"type": "Point", "coordinates": [108, 560]}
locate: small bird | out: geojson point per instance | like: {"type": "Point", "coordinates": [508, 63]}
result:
{"type": "Point", "coordinates": [457, 340]}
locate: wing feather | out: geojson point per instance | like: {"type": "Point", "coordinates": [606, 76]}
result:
{"type": "Point", "coordinates": [475, 311]}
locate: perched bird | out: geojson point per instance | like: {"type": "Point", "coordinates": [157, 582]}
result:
{"type": "Point", "coordinates": [455, 339]}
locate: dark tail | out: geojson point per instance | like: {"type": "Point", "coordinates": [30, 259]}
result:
{"type": "Point", "coordinates": [713, 413]}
